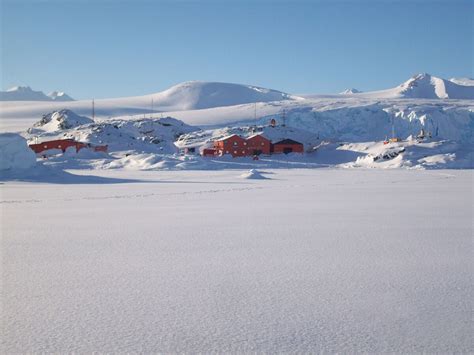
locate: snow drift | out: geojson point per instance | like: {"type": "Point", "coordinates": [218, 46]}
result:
{"type": "Point", "coordinates": [253, 174]}
{"type": "Point", "coordinates": [15, 153]}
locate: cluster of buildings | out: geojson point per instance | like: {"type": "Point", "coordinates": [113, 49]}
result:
{"type": "Point", "coordinates": [255, 145]}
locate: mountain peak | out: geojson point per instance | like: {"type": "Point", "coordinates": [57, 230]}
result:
{"type": "Point", "coordinates": [26, 93]}
{"type": "Point", "coordinates": [203, 94]}
{"type": "Point", "coordinates": [350, 91]}
{"type": "Point", "coordinates": [20, 89]}
{"type": "Point", "coordinates": [60, 96]}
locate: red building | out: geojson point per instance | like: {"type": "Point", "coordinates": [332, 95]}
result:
{"type": "Point", "coordinates": [63, 144]}
{"type": "Point", "coordinates": [258, 144]}
{"type": "Point", "coordinates": [287, 146]}
{"type": "Point", "coordinates": [252, 146]}
{"type": "Point", "coordinates": [234, 145]}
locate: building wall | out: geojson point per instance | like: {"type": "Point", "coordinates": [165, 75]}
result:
{"type": "Point", "coordinates": [235, 146]}
{"type": "Point", "coordinates": [258, 143]}
{"type": "Point", "coordinates": [239, 147]}
{"type": "Point", "coordinates": [281, 148]}
{"type": "Point", "coordinates": [61, 144]}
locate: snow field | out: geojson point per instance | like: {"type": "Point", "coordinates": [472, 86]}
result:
{"type": "Point", "coordinates": [205, 261]}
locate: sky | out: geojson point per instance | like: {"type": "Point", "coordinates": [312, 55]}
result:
{"type": "Point", "coordinates": [107, 48]}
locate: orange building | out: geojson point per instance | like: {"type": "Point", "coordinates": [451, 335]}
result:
{"type": "Point", "coordinates": [233, 144]}
{"type": "Point", "coordinates": [287, 146]}
{"type": "Point", "coordinates": [63, 144]}
{"type": "Point", "coordinates": [258, 144]}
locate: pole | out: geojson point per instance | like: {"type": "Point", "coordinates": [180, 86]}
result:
{"type": "Point", "coordinates": [93, 109]}
{"type": "Point", "coordinates": [151, 107]}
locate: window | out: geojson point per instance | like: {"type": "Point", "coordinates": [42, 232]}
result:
{"type": "Point", "coordinates": [227, 152]}
{"type": "Point", "coordinates": [243, 151]}
{"type": "Point", "coordinates": [45, 146]}
{"type": "Point", "coordinates": [235, 152]}
{"type": "Point", "coordinates": [245, 143]}
{"type": "Point", "coordinates": [235, 143]}
{"type": "Point", "coordinates": [263, 143]}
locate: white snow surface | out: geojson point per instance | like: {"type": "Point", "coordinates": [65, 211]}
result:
{"type": "Point", "coordinates": [15, 155]}
{"type": "Point", "coordinates": [463, 81]}
{"type": "Point", "coordinates": [310, 261]}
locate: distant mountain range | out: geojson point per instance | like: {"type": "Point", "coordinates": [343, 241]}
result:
{"type": "Point", "coordinates": [25, 93]}
{"type": "Point", "coordinates": [195, 95]}
{"type": "Point", "coordinates": [426, 86]}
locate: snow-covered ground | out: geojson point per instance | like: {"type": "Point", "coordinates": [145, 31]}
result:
{"type": "Point", "coordinates": [312, 260]}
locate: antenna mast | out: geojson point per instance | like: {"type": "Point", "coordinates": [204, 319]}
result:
{"type": "Point", "coordinates": [93, 109]}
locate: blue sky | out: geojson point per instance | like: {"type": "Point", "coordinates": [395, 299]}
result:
{"type": "Point", "coordinates": [123, 48]}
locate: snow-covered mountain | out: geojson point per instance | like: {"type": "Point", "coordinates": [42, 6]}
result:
{"type": "Point", "coordinates": [60, 96]}
{"type": "Point", "coordinates": [25, 93]}
{"type": "Point", "coordinates": [59, 120]}
{"type": "Point", "coordinates": [350, 91]}
{"type": "Point", "coordinates": [200, 95]}
{"type": "Point", "coordinates": [193, 95]}
{"type": "Point", "coordinates": [425, 86]}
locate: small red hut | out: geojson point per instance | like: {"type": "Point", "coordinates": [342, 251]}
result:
{"type": "Point", "coordinates": [287, 146]}
{"type": "Point", "coordinates": [233, 144]}
{"type": "Point", "coordinates": [258, 144]}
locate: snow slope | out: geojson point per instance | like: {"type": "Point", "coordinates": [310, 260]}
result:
{"type": "Point", "coordinates": [200, 94]}
{"type": "Point", "coordinates": [309, 261]}
{"type": "Point", "coordinates": [463, 81]}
